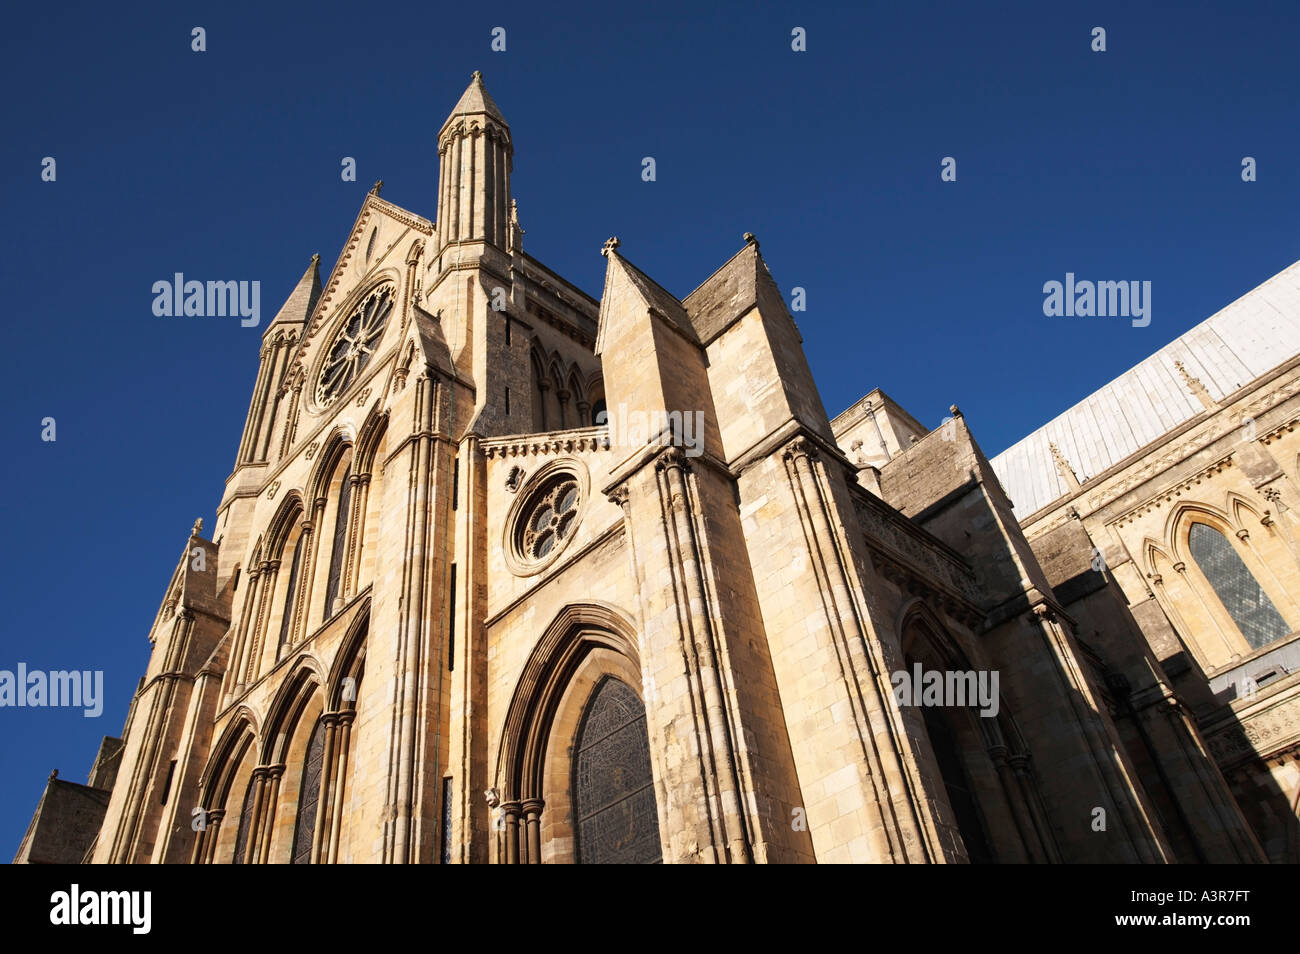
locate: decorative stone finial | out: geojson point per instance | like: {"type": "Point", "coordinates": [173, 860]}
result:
{"type": "Point", "coordinates": [516, 231]}
{"type": "Point", "coordinates": [375, 189]}
{"type": "Point", "coordinates": [610, 244]}
{"type": "Point", "coordinates": [954, 410]}
{"type": "Point", "coordinates": [198, 527]}
{"type": "Point", "coordinates": [750, 240]}
{"type": "Point", "coordinates": [53, 776]}
{"type": "Point", "coordinates": [1196, 387]}
{"type": "Point", "coordinates": [476, 77]}
{"type": "Point", "coordinates": [315, 258]}
{"type": "Point", "coordinates": [1063, 467]}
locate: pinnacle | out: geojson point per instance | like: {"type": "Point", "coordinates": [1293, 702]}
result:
{"type": "Point", "coordinates": [475, 99]}
{"type": "Point", "coordinates": [303, 297]}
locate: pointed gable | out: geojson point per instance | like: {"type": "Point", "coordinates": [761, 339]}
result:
{"type": "Point", "coordinates": [371, 207]}
{"type": "Point", "coordinates": [297, 308]}
{"type": "Point", "coordinates": [621, 278]}
{"type": "Point", "coordinates": [741, 284]}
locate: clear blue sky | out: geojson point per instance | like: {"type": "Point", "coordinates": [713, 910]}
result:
{"type": "Point", "coordinates": [225, 165]}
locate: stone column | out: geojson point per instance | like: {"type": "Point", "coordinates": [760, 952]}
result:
{"type": "Point", "coordinates": [253, 665]}
{"type": "Point", "coordinates": [242, 636]}
{"type": "Point", "coordinates": [1020, 810]}
{"type": "Point", "coordinates": [342, 739]}
{"type": "Point", "coordinates": [356, 533]}
{"type": "Point", "coordinates": [511, 811]}
{"type": "Point", "coordinates": [259, 796]}
{"type": "Point", "coordinates": [324, 804]}
{"type": "Point", "coordinates": [206, 842]}
{"type": "Point", "coordinates": [532, 810]}
{"type": "Point", "coordinates": [267, 821]}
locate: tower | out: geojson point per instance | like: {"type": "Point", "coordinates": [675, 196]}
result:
{"type": "Point", "coordinates": [475, 157]}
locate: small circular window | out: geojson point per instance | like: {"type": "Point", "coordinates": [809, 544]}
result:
{"type": "Point", "coordinates": [551, 520]}
{"type": "Point", "coordinates": [545, 520]}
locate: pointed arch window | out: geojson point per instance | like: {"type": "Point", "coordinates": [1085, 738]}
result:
{"type": "Point", "coordinates": [286, 620]}
{"type": "Point", "coordinates": [614, 801]}
{"type": "Point", "coordinates": [1236, 587]}
{"type": "Point", "coordinates": [339, 543]}
{"type": "Point", "coordinates": [245, 823]}
{"type": "Point", "coordinates": [309, 798]}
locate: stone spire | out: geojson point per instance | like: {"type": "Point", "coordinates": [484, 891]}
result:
{"type": "Point", "coordinates": [298, 306]}
{"type": "Point", "coordinates": [475, 160]}
{"type": "Point", "coordinates": [1196, 387]}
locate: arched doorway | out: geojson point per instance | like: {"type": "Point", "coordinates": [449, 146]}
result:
{"type": "Point", "coordinates": [574, 777]}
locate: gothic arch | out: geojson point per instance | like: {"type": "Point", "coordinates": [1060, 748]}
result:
{"type": "Point", "coordinates": [334, 447]}
{"type": "Point", "coordinates": [231, 762]}
{"type": "Point", "coordinates": [579, 628]}
{"type": "Point", "coordinates": [369, 465]}
{"type": "Point", "coordinates": [1155, 555]}
{"type": "Point", "coordinates": [349, 663]}
{"type": "Point", "coordinates": [304, 679]}
{"type": "Point", "coordinates": [240, 737]}
{"type": "Point", "coordinates": [294, 788]}
{"type": "Point", "coordinates": [596, 396]}
{"type": "Point", "coordinates": [1214, 632]}
{"type": "Point", "coordinates": [1245, 512]}
{"type": "Point", "coordinates": [584, 644]}
{"type": "Point", "coordinates": [281, 525]}
{"type": "Point", "coordinates": [982, 763]}
{"type": "Point", "coordinates": [540, 387]}
{"type": "Point", "coordinates": [369, 439]}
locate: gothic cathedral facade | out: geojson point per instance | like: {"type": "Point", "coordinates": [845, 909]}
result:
{"type": "Point", "coordinates": [472, 596]}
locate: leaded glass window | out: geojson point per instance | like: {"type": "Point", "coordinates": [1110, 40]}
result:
{"type": "Point", "coordinates": [287, 619]}
{"type": "Point", "coordinates": [245, 823]}
{"type": "Point", "coordinates": [354, 344]}
{"type": "Point", "coordinates": [1236, 587]}
{"type": "Point", "coordinates": [613, 789]}
{"type": "Point", "coordinates": [340, 540]}
{"type": "Point", "coordinates": [309, 796]}
{"type": "Point", "coordinates": [446, 820]}
{"type": "Point", "coordinates": [550, 519]}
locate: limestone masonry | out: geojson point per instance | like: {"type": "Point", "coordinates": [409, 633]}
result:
{"type": "Point", "coordinates": [446, 614]}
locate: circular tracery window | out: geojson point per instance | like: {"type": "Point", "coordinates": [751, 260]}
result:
{"type": "Point", "coordinates": [354, 344]}
{"type": "Point", "coordinates": [544, 520]}
{"type": "Point", "coordinates": [551, 519]}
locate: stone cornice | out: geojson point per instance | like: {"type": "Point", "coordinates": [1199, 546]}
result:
{"type": "Point", "coordinates": [580, 440]}
{"type": "Point", "coordinates": [1170, 493]}
{"type": "Point", "coordinates": [613, 532]}
{"type": "Point", "coordinates": [1199, 431]}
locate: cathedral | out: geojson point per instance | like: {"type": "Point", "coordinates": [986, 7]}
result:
{"type": "Point", "coordinates": [504, 573]}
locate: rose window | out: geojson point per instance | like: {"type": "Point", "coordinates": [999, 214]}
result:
{"type": "Point", "coordinates": [355, 344]}
{"type": "Point", "coordinates": [550, 519]}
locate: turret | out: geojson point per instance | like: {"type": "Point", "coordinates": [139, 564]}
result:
{"type": "Point", "coordinates": [475, 159]}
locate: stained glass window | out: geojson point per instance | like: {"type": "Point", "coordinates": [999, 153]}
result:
{"type": "Point", "coordinates": [613, 789]}
{"type": "Point", "coordinates": [245, 823]}
{"type": "Point", "coordinates": [446, 821]}
{"type": "Point", "coordinates": [340, 539]}
{"type": "Point", "coordinates": [356, 342]}
{"type": "Point", "coordinates": [1236, 587]}
{"type": "Point", "coordinates": [309, 796]}
{"type": "Point", "coordinates": [287, 618]}
{"type": "Point", "coordinates": [550, 519]}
